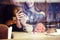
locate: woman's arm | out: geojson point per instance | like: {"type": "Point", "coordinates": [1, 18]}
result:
{"type": "Point", "coordinates": [22, 18]}
{"type": "Point", "coordinates": [18, 23]}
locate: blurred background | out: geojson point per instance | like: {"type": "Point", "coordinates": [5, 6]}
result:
{"type": "Point", "coordinates": [50, 7]}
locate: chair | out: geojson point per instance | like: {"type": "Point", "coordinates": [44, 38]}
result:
{"type": "Point", "coordinates": [3, 31]}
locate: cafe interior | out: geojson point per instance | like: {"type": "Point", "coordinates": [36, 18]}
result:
{"type": "Point", "coordinates": [51, 21]}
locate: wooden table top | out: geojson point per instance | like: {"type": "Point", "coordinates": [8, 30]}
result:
{"type": "Point", "coordinates": [34, 36]}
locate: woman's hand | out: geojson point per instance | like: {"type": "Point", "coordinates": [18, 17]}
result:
{"type": "Point", "coordinates": [23, 18]}
{"type": "Point", "coordinates": [20, 19]}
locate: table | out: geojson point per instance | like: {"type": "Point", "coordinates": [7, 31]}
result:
{"type": "Point", "coordinates": [35, 36]}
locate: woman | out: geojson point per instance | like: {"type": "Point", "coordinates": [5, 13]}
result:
{"type": "Point", "coordinates": [30, 17]}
